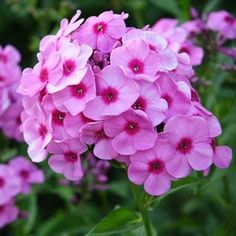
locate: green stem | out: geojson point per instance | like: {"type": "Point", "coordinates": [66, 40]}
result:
{"type": "Point", "coordinates": [142, 208]}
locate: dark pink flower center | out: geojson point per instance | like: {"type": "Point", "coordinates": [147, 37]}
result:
{"type": "Point", "coordinates": [71, 156]}
{"type": "Point", "coordinates": [152, 47]}
{"type": "Point", "coordinates": [1, 209]}
{"type": "Point", "coordinates": [42, 94]}
{"type": "Point", "coordinates": [132, 127]}
{"type": "Point", "coordinates": [68, 67]}
{"type": "Point", "coordinates": [136, 66]}
{"type": "Point", "coordinates": [18, 120]}
{"type": "Point", "coordinates": [58, 117]}
{"type": "Point", "coordinates": [109, 95]}
{"type": "Point", "coordinates": [24, 174]}
{"type": "Point", "coordinates": [185, 145]}
{"type": "Point", "coordinates": [2, 182]}
{"type": "Point", "coordinates": [140, 104]}
{"type": "Point", "coordinates": [184, 49]}
{"type": "Point", "coordinates": [100, 27]}
{"type": "Point", "coordinates": [2, 78]}
{"type": "Point", "coordinates": [79, 90]}
{"type": "Point", "coordinates": [43, 76]}
{"type": "Point", "coordinates": [156, 166]}
{"type": "Point", "coordinates": [229, 19]}
{"type": "Point", "coordinates": [168, 99]}
{"type": "Point", "coordinates": [3, 58]}
{"type": "Point", "coordinates": [42, 130]}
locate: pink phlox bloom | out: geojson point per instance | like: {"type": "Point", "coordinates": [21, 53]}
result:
{"type": "Point", "coordinates": [149, 168]}
{"type": "Point", "coordinates": [189, 139]}
{"type": "Point", "coordinates": [65, 158]}
{"type": "Point", "coordinates": [150, 102]}
{"type": "Point", "coordinates": [9, 55]}
{"type": "Point", "coordinates": [156, 43]}
{"type": "Point", "coordinates": [223, 22]}
{"type": "Point", "coordinates": [93, 133]}
{"type": "Point", "coordinates": [9, 184]}
{"type": "Point", "coordinates": [168, 29]}
{"type": "Point", "coordinates": [8, 213]}
{"type": "Point", "coordinates": [137, 60]}
{"type": "Point", "coordinates": [74, 98]}
{"type": "Point", "coordinates": [28, 173]}
{"type": "Point", "coordinates": [34, 80]}
{"type": "Point", "coordinates": [193, 27]}
{"type": "Point", "coordinates": [72, 65]}
{"type": "Point", "coordinates": [116, 93]}
{"type": "Point", "coordinates": [37, 135]}
{"type": "Point", "coordinates": [195, 53]}
{"type": "Point", "coordinates": [101, 32]}
{"type": "Point", "coordinates": [131, 131]}
{"type": "Point", "coordinates": [178, 102]}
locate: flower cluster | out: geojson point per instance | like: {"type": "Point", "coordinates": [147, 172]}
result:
{"type": "Point", "coordinates": [10, 101]}
{"type": "Point", "coordinates": [16, 178]}
{"type": "Point", "coordinates": [123, 94]}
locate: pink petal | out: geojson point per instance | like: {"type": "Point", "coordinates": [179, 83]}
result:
{"type": "Point", "coordinates": [137, 172]}
{"type": "Point", "coordinates": [223, 156]}
{"type": "Point", "coordinates": [57, 163]}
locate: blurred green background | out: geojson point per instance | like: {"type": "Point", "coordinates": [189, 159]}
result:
{"type": "Point", "coordinates": [200, 208]}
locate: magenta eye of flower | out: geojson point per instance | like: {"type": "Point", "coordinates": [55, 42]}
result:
{"type": "Point", "coordinates": [136, 66]}
{"type": "Point", "coordinates": [100, 27]}
{"type": "Point", "coordinates": [152, 47]}
{"type": "Point", "coordinates": [2, 78]}
{"type": "Point", "coordinates": [71, 156]}
{"type": "Point", "coordinates": [79, 90]}
{"type": "Point", "coordinates": [2, 182]}
{"type": "Point", "coordinates": [140, 104]}
{"type": "Point", "coordinates": [156, 166]}
{"type": "Point", "coordinates": [185, 145]}
{"type": "Point", "coordinates": [132, 127]}
{"type": "Point", "coordinates": [42, 94]}
{"type": "Point", "coordinates": [24, 174]}
{"type": "Point", "coordinates": [229, 19]}
{"type": "Point", "coordinates": [42, 130]}
{"type": "Point", "coordinates": [58, 117]}
{"type": "Point", "coordinates": [1, 209]}
{"type": "Point", "coordinates": [18, 120]}
{"type": "Point", "coordinates": [184, 49]}
{"type": "Point", "coordinates": [109, 95]}
{"type": "Point", "coordinates": [43, 76]}
{"type": "Point", "coordinates": [68, 67]}
{"type": "Point", "coordinates": [168, 99]}
{"type": "Point", "coordinates": [3, 58]}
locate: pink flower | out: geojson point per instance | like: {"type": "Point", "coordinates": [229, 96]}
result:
{"type": "Point", "coordinates": [27, 172]}
{"type": "Point", "coordinates": [66, 158]}
{"type": "Point", "coordinates": [178, 102]}
{"type": "Point", "coordinates": [37, 135]}
{"type": "Point", "coordinates": [131, 131]}
{"type": "Point", "coordinates": [9, 184]}
{"type": "Point", "coordinates": [8, 213]}
{"type": "Point", "coordinates": [150, 102]}
{"type": "Point", "coordinates": [101, 32]}
{"type": "Point", "coordinates": [149, 168]}
{"type": "Point", "coordinates": [116, 94]}
{"type": "Point", "coordinates": [137, 60]}
{"type": "Point", "coordinates": [195, 53]}
{"type": "Point", "coordinates": [224, 23]}
{"type": "Point", "coordinates": [74, 98]}
{"type": "Point", "coordinates": [73, 61]}
{"type": "Point", "coordinates": [9, 55]}
{"type": "Point", "coordinates": [189, 139]}
{"type": "Point", "coordinates": [93, 133]}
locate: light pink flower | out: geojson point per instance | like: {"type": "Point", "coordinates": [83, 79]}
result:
{"type": "Point", "coordinates": [101, 32]}
{"type": "Point", "coordinates": [9, 184]}
{"type": "Point", "coordinates": [73, 61]}
{"type": "Point", "coordinates": [66, 158]}
{"type": "Point", "coordinates": [74, 98]}
{"type": "Point", "coordinates": [9, 55]}
{"type": "Point", "coordinates": [8, 213]}
{"type": "Point", "coordinates": [37, 135]}
{"type": "Point", "coordinates": [150, 102]}
{"type": "Point", "coordinates": [149, 168]}
{"type": "Point", "coordinates": [224, 23]}
{"type": "Point", "coordinates": [116, 94]}
{"type": "Point", "coordinates": [131, 131]}
{"type": "Point", "coordinates": [137, 60]}
{"type": "Point", "coordinates": [27, 172]}
{"type": "Point", "coordinates": [189, 138]}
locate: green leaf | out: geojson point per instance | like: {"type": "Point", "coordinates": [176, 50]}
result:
{"type": "Point", "coordinates": [211, 5]}
{"type": "Point", "coordinates": [170, 6]}
{"type": "Point", "coordinates": [120, 220]}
